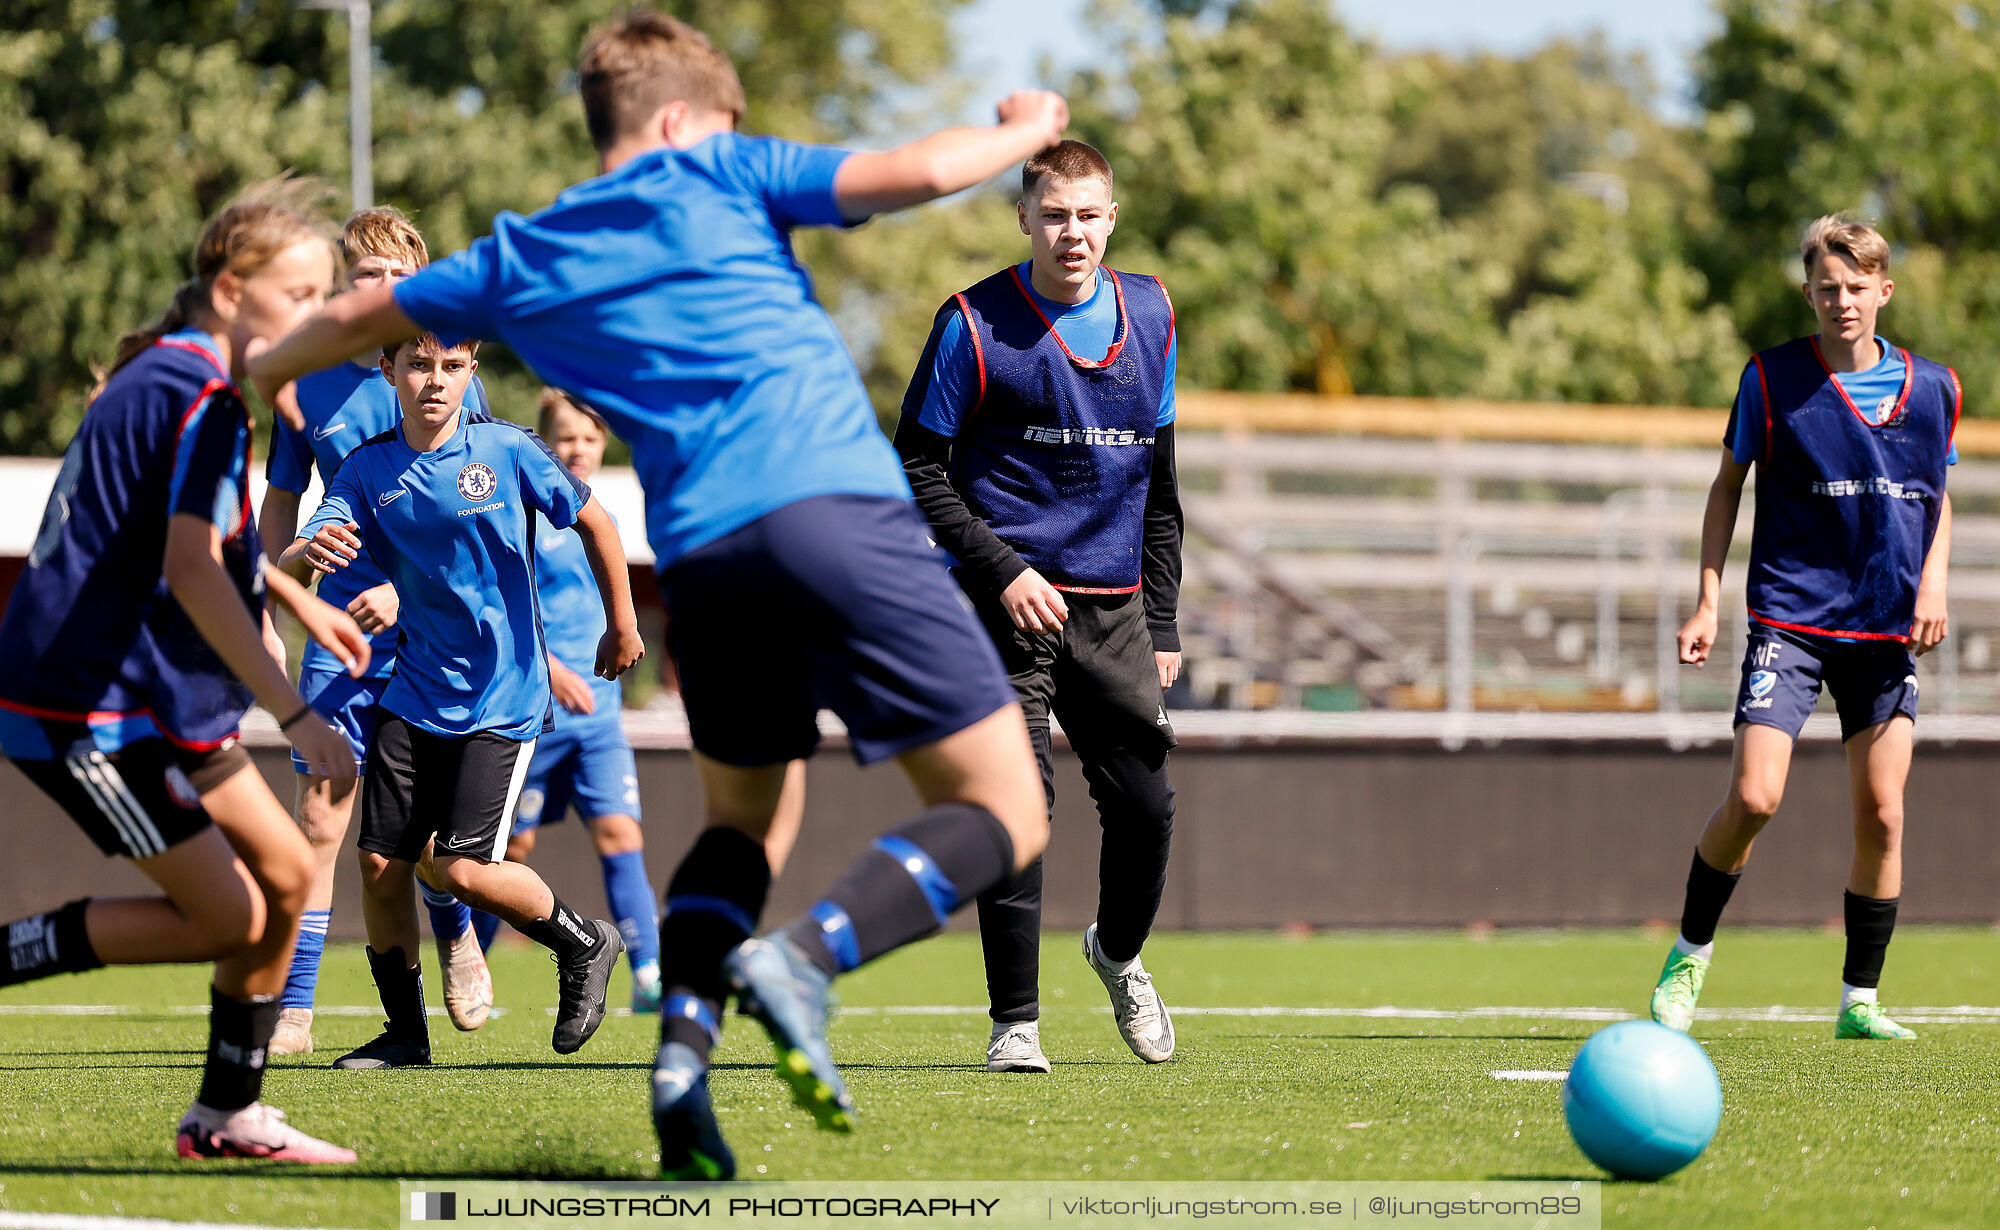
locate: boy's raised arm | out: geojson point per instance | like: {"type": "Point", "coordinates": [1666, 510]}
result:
{"type": "Point", "coordinates": [951, 160]}
{"type": "Point", "coordinates": [621, 646]}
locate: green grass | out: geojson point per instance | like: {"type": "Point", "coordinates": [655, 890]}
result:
{"type": "Point", "coordinates": [1814, 1132]}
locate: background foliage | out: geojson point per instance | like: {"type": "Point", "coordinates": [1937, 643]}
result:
{"type": "Point", "coordinates": [1328, 217]}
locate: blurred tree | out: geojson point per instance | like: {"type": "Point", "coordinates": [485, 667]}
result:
{"type": "Point", "coordinates": [123, 123]}
{"type": "Point", "coordinates": [1575, 200]}
{"type": "Point", "coordinates": [1249, 153]}
{"type": "Point", "coordinates": [1880, 108]}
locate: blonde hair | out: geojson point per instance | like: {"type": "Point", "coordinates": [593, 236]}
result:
{"type": "Point", "coordinates": [1857, 241]}
{"type": "Point", "coordinates": [383, 231]}
{"type": "Point", "coordinates": [639, 62]}
{"type": "Point", "coordinates": [553, 402]}
{"type": "Point", "coordinates": [243, 237]}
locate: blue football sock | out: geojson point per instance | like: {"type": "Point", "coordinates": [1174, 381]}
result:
{"type": "Point", "coordinates": [485, 926]}
{"type": "Point", "coordinates": [303, 982]}
{"type": "Point", "coordinates": [449, 916]}
{"type": "Point", "coordinates": [631, 898]}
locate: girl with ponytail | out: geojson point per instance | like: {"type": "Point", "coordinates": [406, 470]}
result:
{"type": "Point", "coordinates": [138, 636]}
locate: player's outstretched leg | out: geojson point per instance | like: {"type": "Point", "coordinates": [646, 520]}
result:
{"type": "Point", "coordinates": [1135, 806]}
{"type": "Point", "coordinates": [586, 948]}
{"type": "Point", "coordinates": [901, 889]}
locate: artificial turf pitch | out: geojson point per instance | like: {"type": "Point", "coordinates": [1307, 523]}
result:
{"type": "Point", "coordinates": [1814, 1132]}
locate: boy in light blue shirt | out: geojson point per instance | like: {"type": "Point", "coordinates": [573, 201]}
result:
{"type": "Point", "coordinates": [448, 510]}
{"type": "Point", "coordinates": [342, 407]}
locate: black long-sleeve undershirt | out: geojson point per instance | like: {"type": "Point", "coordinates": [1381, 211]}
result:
{"type": "Point", "coordinates": [990, 565]}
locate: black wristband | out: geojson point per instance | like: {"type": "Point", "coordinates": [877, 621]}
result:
{"type": "Point", "coordinates": [291, 721]}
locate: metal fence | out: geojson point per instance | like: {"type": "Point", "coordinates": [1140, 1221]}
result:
{"type": "Point", "coordinates": [1329, 572]}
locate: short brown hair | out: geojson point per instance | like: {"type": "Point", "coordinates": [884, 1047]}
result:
{"type": "Point", "coordinates": [1857, 241]}
{"type": "Point", "coordinates": [639, 62]}
{"type": "Point", "coordinates": [1069, 161]}
{"type": "Point", "coordinates": [553, 402]}
{"type": "Point", "coordinates": [428, 343]}
{"type": "Point", "coordinates": [383, 231]}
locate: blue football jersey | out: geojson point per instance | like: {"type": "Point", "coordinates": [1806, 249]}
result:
{"type": "Point", "coordinates": [666, 296]}
{"type": "Point", "coordinates": [344, 406]}
{"type": "Point", "coordinates": [92, 634]}
{"type": "Point", "coordinates": [454, 529]}
{"type": "Point", "coordinates": [573, 617]}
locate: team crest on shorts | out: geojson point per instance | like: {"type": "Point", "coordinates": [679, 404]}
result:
{"type": "Point", "coordinates": [476, 482]}
{"type": "Point", "coordinates": [180, 789]}
{"type": "Point", "coordinates": [1761, 683]}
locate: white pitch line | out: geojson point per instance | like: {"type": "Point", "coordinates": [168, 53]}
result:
{"type": "Point", "coordinates": [183, 1010]}
{"type": "Point", "coordinates": [69, 1221]}
{"type": "Point", "coordinates": [1528, 1074]}
{"type": "Point", "coordinates": [1960, 1014]}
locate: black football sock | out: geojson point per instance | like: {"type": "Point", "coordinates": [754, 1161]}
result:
{"type": "Point", "coordinates": [52, 943]}
{"type": "Point", "coordinates": [713, 903]}
{"type": "Point", "coordinates": [905, 885]}
{"type": "Point", "coordinates": [1010, 938]}
{"type": "Point", "coordinates": [239, 1031]}
{"type": "Point", "coordinates": [564, 932]}
{"type": "Point", "coordinates": [1135, 806]}
{"type": "Point", "coordinates": [1870, 923]}
{"type": "Point", "coordinates": [1708, 892]}
{"type": "Point", "coordinates": [402, 991]}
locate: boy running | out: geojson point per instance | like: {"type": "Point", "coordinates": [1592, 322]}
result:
{"type": "Point", "coordinates": [1851, 438]}
{"type": "Point", "coordinates": [447, 509]}
{"type": "Point", "coordinates": [341, 407]}
{"type": "Point", "coordinates": [665, 295]}
{"type": "Point", "coordinates": [137, 637]}
{"type": "Point", "coordinates": [585, 759]}
{"type": "Point", "coordinates": [1038, 435]}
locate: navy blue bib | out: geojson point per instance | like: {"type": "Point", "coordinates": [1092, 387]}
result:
{"type": "Point", "coordinates": [1057, 454]}
{"type": "Point", "coordinates": [1846, 509]}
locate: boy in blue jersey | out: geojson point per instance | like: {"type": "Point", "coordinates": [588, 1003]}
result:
{"type": "Point", "coordinates": [447, 508]}
{"type": "Point", "coordinates": [665, 295]}
{"type": "Point", "coordinates": [1851, 438]}
{"type": "Point", "coordinates": [585, 759]}
{"type": "Point", "coordinates": [136, 638]}
{"type": "Point", "coordinates": [340, 408]}
{"type": "Point", "coordinates": [1038, 436]}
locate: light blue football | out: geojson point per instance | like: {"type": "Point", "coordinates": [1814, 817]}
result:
{"type": "Point", "coordinates": [1642, 1100]}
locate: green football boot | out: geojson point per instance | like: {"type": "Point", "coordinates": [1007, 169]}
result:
{"type": "Point", "coordinates": [1680, 986]}
{"type": "Point", "coordinates": [1866, 1020]}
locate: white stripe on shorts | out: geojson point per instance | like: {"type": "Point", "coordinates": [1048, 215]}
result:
{"type": "Point", "coordinates": [523, 759]}
{"type": "Point", "coordinates": [100, 779]}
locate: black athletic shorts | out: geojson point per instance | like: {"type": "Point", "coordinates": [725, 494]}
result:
{"type": "Point", "coordinates": [834, 602]}
{"type": "Point", "coordinates": [1097, 675]}
{"type": "Point", "coordinates": [141, 800]}
{"type": "Point", "coordinates": [461, 789]}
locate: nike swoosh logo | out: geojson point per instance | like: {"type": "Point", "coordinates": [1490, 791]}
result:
{"type": "Point", "coordinates": [391, 497]}
{"type": "Point", "coordinates": [328, 430]}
